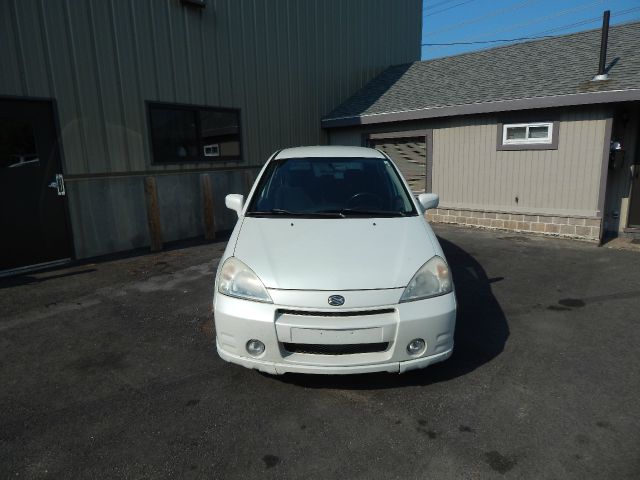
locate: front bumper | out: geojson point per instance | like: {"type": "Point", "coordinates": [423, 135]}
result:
{"type": "Point", "coordinates": [386, 323]}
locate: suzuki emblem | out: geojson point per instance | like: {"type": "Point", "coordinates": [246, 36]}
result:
{"type": "Point", "coordinates": [336, 300]}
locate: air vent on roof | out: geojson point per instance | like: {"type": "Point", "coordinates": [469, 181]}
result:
{"type": "Point", "coordinates": [602, 74]}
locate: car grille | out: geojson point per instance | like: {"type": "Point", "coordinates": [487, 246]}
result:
{"type": "Point", "coordinates": [325, 313]}
{"type": "Point", "coordinates": [347, 349]}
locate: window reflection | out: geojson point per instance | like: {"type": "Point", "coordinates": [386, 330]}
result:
{"type": "Point", "coordinates": [185, 134]}
{"type": "Point", "coordinates": [17, 145]}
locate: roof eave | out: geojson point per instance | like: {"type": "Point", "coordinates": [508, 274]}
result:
{"type": "Point", "coordinates": [575, 99]}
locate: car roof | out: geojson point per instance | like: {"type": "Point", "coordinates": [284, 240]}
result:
{"type": "Point", "coordinates": [325, 151]}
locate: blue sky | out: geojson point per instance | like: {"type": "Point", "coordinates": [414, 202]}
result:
{"type": "Point", "coordinates": [451, 21]}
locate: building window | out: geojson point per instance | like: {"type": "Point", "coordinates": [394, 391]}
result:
{"type": "Point", "coordinates": [528, 136]}
{"type": "Point", "coordinates": [525, 133]}
{"type": "Point", "coordinates": [186, 133]}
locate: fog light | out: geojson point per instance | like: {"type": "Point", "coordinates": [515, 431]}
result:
{"type": "Point", "coordinates": [255, 347]}
{"type": "Point", "coordinates": [415, 346]}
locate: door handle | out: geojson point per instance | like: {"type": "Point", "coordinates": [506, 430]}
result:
{"type": "Point", "coordinates": [58, 184]}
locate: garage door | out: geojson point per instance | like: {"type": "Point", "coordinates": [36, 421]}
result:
{"type": "Point", "coordinates": [410, 155]}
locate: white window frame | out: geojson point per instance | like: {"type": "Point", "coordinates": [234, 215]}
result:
{"type": "Point", "coordinates": [527, 140]}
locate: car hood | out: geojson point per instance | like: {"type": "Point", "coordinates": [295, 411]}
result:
{"type": "Point", "coordinates": [335, 254]}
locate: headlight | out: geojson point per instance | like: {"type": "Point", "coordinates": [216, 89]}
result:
{"type": "Point", "coordinates": [238, 280]}
{"type": "Point", "coordinates": [431, 279]}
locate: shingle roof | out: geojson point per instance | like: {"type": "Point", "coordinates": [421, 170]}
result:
{"type": "Point", "coordinates": [552, 67]}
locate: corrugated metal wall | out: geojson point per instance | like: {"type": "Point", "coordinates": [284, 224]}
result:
{"type": "Point", "coordinates": [285, 63]}
{"type": "Point", "coordinates": [469, 172]}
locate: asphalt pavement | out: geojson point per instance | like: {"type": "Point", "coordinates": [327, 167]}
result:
{"type": "Point", "coordinates": [108, 370]}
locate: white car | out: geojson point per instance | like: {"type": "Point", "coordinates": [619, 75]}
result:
{"type": "Point", "coordinates": [332, 268]}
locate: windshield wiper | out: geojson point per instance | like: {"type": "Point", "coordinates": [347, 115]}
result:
{"type": "Point", "coordinates": [283, 212]}
{"type": "Point", "coordinates": [356, 211]}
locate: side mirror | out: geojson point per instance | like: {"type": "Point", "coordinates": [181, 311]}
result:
{"type": "Point", "coordinates": [234, 201]}
{"type": "Point", "coordinates": [428, 200]}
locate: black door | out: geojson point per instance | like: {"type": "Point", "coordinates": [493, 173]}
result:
{"type": "Point", "coordinates": [33, 220]}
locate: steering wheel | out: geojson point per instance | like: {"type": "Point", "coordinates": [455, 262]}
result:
{"type": "Point", "coordinates": [357, 199]}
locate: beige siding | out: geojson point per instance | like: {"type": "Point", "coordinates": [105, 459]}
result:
{"type": "Point", "coordinates": [284, 63]}
{"type": "Point", "coordinates": [346, 136]}
{"type": "Point", "coordinates": [469, 172]}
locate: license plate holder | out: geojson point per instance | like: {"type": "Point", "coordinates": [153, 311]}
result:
{"type": "Point", "coordinates": [336, 336]}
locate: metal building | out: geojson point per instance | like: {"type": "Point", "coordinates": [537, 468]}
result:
{"type": "Point", "coordinates": [118, 117]}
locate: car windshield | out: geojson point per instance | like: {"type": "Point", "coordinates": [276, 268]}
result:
{"type": "Point", "coordinates": [331, 187]}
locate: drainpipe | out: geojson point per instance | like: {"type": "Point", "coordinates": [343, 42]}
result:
{"type": "Point", "coordinates": [602, 75]}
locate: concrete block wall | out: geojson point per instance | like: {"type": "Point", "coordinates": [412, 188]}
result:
{"type": "Point", "coordinates": [585, 228]}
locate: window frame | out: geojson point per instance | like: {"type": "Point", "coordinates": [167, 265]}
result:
{"type": "Point", "coordinates": [527, 139]}
{"type": "Point", "coordinates": [549, 143]}
{"type": "Point", "coordinates": [201, 158]}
